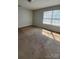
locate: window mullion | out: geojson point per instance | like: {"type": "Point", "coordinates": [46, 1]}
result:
{"type": "Point", "coordinates": [52, 18]}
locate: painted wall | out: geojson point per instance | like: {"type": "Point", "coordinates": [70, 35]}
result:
{"type": "Point", "coordinates": [24, 17]}
{"type": "Point", "coordinates": [38, 18]}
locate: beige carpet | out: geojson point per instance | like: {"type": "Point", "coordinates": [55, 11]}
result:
{"type": "Point", "coordinates": [37, 43]}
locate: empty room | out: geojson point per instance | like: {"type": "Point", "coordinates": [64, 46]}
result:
{"type": "Point", "coordinates": [39, 29]}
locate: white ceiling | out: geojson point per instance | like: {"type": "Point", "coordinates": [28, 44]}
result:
{"type": "Point", "coordinates": [37, 4]}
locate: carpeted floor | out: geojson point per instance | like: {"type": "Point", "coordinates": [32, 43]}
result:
{"type": "Point", "coordinates": [37, 43]}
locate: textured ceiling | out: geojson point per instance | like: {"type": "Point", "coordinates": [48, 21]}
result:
{"type": "Point", "coordinates": [37, 4]}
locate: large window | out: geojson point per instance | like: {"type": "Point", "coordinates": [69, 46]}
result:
{"type": "Point", "coordinates": [52, 17]}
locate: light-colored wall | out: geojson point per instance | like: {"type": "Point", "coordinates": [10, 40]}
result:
{"type": "Point", "coordinates": [38, 18]}
{"type": "Point", "coordinates": [24, 17]}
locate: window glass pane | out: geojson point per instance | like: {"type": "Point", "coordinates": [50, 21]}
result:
{"type": "Point", "coordinates": [56, 22]}
{"type": "Point", "coordinates": [47, 14]}
{"type": "Point", "coordinates": [56, 17]}
{"type": "Point", "coordinates": [46, 21]}
{"type": "Point", "coordinates": [56, 14]}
